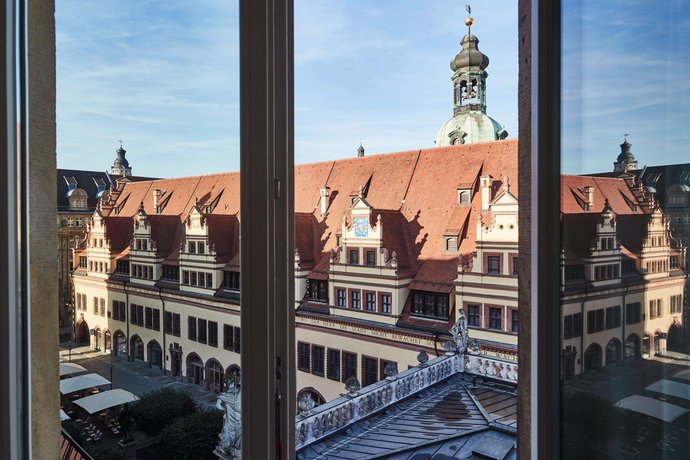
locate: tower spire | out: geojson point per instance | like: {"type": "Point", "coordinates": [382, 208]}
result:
{"type": "Point", "coordinates": [470, 123]}
{"type": "Point", "coordinates": [469, 21]}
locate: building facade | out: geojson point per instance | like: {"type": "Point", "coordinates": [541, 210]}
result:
{"type": "Point", "coordinates": [622, 275]}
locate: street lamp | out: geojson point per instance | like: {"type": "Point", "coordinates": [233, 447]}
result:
{"type": "Point", "coordinates": [111, 371]}
{"type": "Point", "coordinates": [69, 348]}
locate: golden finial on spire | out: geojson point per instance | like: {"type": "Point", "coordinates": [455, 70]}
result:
{"type": "Point", "coordinates": [469, 21]}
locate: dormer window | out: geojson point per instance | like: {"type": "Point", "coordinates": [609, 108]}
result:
{"type": "Point", "coordinates": [318, 290]}
{"type": "Point", "coordinates": [430, 304]}
{"type": "Point", "coordinates": [231, 280]}
{"type": "Point", "coordinates": [353, 256]}
{"type": "Point", "coordinates": [607, 243]}
{"type": "Point", "coordinates": [464, 197]}
{"type": "Point", "coordinates": [200, 247]}
{"type": "Point", "coordinates": [452, 244]}
{"type": "Point", "coordinates": [371, 258]}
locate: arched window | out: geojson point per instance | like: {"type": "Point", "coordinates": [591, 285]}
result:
{"type": "Point", "coordinates": [137, 347]}
{"type": "Point", "coordinates": [215, 375]}
{"type": "Point", "coordinates": [155, 354]}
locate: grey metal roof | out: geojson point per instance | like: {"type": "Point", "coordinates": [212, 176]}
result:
{"type": "Point", "coordinates": [451, 419]}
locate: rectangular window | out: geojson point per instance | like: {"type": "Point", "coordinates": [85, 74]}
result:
{"type": "Point", "coordinates": [82, 262]}
{"type": "Point", "coordinates": [371, 258]}
{"type": "Point", "coordinates": [303, 357]}
{"type": "Point", "coordinates": [209, 280]}
{"type": "Point", "coordinates": [317, 360]}
{"type": "Point", "coordinates": [473, 318]}
{"type": "Point", "coordinates": [613, 317]}
{"type": "Point", "coordinates": [495, 315]}
{"type": "Point", "coordinates": [370, 370]}
{"type": "Point", "coordinates": [353, 256]}
{"type": "Point", "coordinates": [430, 304]}
{"type": "Point", "coordinates": [192, 247]}
{"type": "Point", "coordinates": [171, 273]}
{"type": "Point", "coordinates": [514, 321]}
{"type": "Point", "coordinates": [677, 303]}
{"type": "Point", "coordinates": [354, 299]}
{"type": "Point", "coordinates": [176, 324]}
{"type": "Point", "coordinates": [202, 331]}
{"type": "Point", "coordinates": [655, 308]}
{"type": "Point", "coordinates": [228, 337]}
{"type": "Point", "coordinates": [191, 328]}
{"type": "Point", "coordinates": [238, 339]}
{"type": "Point", "coordinates": [417, 303]}
{"type": "Point", "coordinates": [333, 371]}
{"type": "Point", "coordinates": [349, 365]}
{"type": "Point", "coordinates": [200, 247]}
{"type": "Point", "coordinates": [192, 278]}
{"type": "Point", "coordinates": [102, 306]}
{"type": "Point", "coordinates": [673, 262]}
{"type": "Point", "coordinates": [568, 327]}
{"type": "Point", "coordinates": [385, 303]}
{"type": "Point", "coordinates": [213, 333]}
{"type": "Point", "coordinates": [185, 277]}
{"type": "Point", "coordinates": [202, 279]}
{"type": "Point", "coordinates": [493, 265]}
{"type": "Point", "coordinates": [95, 305]}
{"type": "Point", "coordinates": [595, 321]}
{"type": "Point", "coordinates": [317, 290]}
{"type": "Point", "coordinates": [370, 301]}
{"type": "Point", "coordinates": [231, 280]}
{"type": "Point", "coordinates": [167, 322]}
{"type": "Point", "coordinates": [148, 315]}
{"type": "Point", "coordinates": [341, 297]}
{"type": "Point", "coordinates": [633, 313]}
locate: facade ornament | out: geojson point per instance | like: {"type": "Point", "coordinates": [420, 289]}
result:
{"type": "Point", "coordinates": [459, 333]}
{"type": "Point", "coordinates": [352, 386]}
{"type": "Point", "coordinates": [422, 357]}
{"type": "Point", "coordinates": [360, 192]}
{"type": "Point", "coordinates": [306, 403]}
{"type": "Point", "coordinates": [394, 260]}
{"type": "Point", "coordinates": [474, 347]}
{"type": "Point", "coordinates": [390, 370]}
{"type": "Point", "coordinates": [230, 438]}
{"type": "Point", "coordinates": [506, 184]}
{"type": "Point", "coordinates": [297, 256]}
{"type": "Point", "coordinates": [386, 259]}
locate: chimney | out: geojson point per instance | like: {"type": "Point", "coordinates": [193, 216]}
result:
{"type": "Point", "coordinates": [589, 197]}
{"type": "Point", "coordinates": [325, 198]}
{"type": "Point", "coordinates": [360, 151]}
{"type": "Point", "coordinates": [486, 191]}
{"type": "Point", "coordinates": [156, 200]}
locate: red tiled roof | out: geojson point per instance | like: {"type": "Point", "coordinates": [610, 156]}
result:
{"type": "Point", "coordinates": [415, 192]}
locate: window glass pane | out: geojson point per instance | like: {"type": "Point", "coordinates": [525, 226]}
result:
{"type": "Point", "coordinates": [148, 185]}
{"type": "Point", "coordinates": [624, 198]}
{"type": "Point", "coordinates": [410, 228]}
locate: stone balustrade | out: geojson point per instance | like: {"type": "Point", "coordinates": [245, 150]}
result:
{"type": "Point", "coordinates": [342, 412]}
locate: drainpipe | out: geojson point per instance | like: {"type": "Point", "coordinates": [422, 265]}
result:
{"type": "Point", "coordinates": [160, 294]}
{"type": "Point", "coordinates": [582, 335]}
{"type": "Point", "coordinates": [623, 322]}
{"type": "Point", "coordinates": [127, 312]}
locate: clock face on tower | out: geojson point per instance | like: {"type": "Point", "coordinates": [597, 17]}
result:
{"type": "Point", "coordinates": [361, 226]}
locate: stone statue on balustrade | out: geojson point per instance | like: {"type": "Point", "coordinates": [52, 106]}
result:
{"type": "Point", "coordinates": [229, 446]}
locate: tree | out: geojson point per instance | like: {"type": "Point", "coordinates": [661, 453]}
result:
{"type": "Point", "coordinates": [159, 408]}
{"type": "Point", "coordinates": [193, 437]}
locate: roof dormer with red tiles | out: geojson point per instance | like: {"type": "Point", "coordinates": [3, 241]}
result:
{"type": "Point", "coordinates": [200, 272]}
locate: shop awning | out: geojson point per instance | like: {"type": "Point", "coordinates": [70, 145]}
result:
{"type": "Point", "coordinates": [652, 407]}
{"type": "Point", "coordinates": [105, 400]}
{"type": "Point", "coordinates": [71, 368]}
{"type": "Point", "coordinates": [671, 388]}
{"type": "Point", "coordinates": [82, 382]}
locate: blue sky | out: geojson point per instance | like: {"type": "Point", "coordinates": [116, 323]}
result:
{"type": "Point", "coordinates": [625, 70]}
{"type": "Point", "coordinates": [163, 77]}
